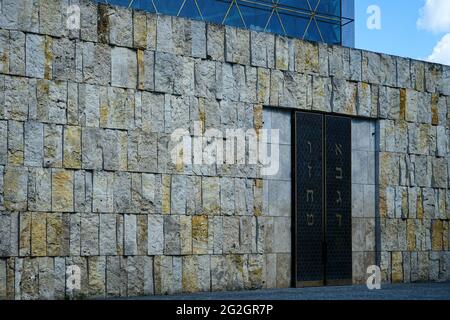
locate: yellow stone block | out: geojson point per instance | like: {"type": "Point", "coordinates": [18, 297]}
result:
{"type": "Point", "coordinates": [54, 234]}
{"type": "Point", "coordinates": [62, 191]}
{"type": "Point", "coordinates": [411, 235]}
{"type": "Point", "coordinates": [38, 234]}
{"type": "Point", "coordinates": [72, 147]}
{"type": "Point", "coordinates": [166, 180]}
{"type": "Point", "coordinates": [48, 61]}
{"type": "Point", "coordinates": [190, 279]}
{"type": "Point", "coordinates": [200, 234]}
{"type": "Point", "coordinates": [397, 267]}
{"type": "Point", "coordinates": [437, 232]}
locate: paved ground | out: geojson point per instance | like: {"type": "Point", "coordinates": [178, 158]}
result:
{"type": "Point", "coordinates": [415, 291]}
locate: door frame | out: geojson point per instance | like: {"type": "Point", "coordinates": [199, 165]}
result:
{"type": "Point", "coordinates": [324, 281]}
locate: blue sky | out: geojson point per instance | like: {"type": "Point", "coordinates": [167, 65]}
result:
{"type": "Point", "coordinates": [409, 28]}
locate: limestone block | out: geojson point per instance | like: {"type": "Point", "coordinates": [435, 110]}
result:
{"type": "Point", "coordinates": [164, 40]}
{"type": "Point", "coordinates": [437, 233]}
{"type": "Point", "coordinates": [294, 94]}
{"type": "Point", "coordinates": [72, 147]}
{"type": "Point", "coordinates": [24, 234]}
{"type": "Point", "coordinates": [17, 53]}
{"type": "Point", "coordinates": [83, 191]}
{"type": "Point", "coordinates": [152, 112]}
{"type": "Point", "coordinates": [423, 171]}
{"type": "Point", "coordinates": [52, 101]}
{"type": "Point", "coordinates": [3, 146]}
{"type": "Point", "coordinates": [108, 235]}
{"type": "Point", "coordinates": [433, 77]}
{"type": "Point", "coordinates": [73, 115]}
{"type": "Point", "coordinates": [116, 276]}
{"type": "Point", "coordinates": [246, 232]}
{"type": "Point", "coordinates": [237, 45]}
{"type": "Point", "coordinates": [418, 75]}
{"type": "Point", "coordinates": [198, 34]}
{"type": "Point", "coordinates": [64, 67]}
{"type": "Point", "coordinates": [339, 59]}
{"type": "Point", "coordinates": [89, 234]}
{"type": "Point", "coordinates": [2, 199]}
{"type": "Point", "coordinates": [146, 69]}
{"type": "Point", "coordinates": [142, 234]}
{"type": "Point", "coordinates": [96, 63]}
{"type": "Point", "coordinates": [119, 22]}
{"type": "Point", "coordinates": [211, 195]}
{"type": "Point", "coordinates": [15, 182]}
{"type": "Point", "coordinates": [230, 234]}
{"type": "Point", "coordinates": [149, 197]}
{"type": "Point", "coordinates": [53, 146]}
{"type": "Point", "coordinates": [276, 87]}
{"type": "Point", "coordinates": [97, 276]}
{"type": "Point", "coordinates": [15, 143]}
{"type": "Point", "coordinates": [38, 234]}
{"type": "Point", "coordinates": [74, 234]}
{"type": "Point", "coordinates": [117, 108]}
{"type": "Point", "coordinates": [22, 15]}
{"type": "Point", "coordinates": [227, 196]}
{"type": "Point", "coordinates": [123, 67]}
{"type": "Point", "coordinates": [172, 241]}
{"type": "Point", "coordinates": [139, 29]}
{"type": "Point", "coordinates": [439, 179]}
{"type": "Point", "coordinates": [282, 56]}
{"type": "Point", "coordinates": [355, 73]}
{"type": "Point", "coordinates": [155, 235]}
{"type": "Point", "coordinates": [130, 234]}
{"type": "Point", "coordinates": [186, 235]}
{"type": "Point", "coordinates": [371, 71]}
{"type": "Point", "coordinates": [219, 274]}
{"type": "Point", "coordinates": [103, 192]}
{"type": "Point", "coordinates": [33, 151]}
{"type": "Point", "coordinates": [62, 190]}
{"type": "Point", "coordinates": [88, 21]}
{"type": "Point", "coordinates": [142, 151]}
{"type": "Point", "coordinates": [404, 79]}
{"type": "Point", "coordinates": [216, 42]}
{"type": "Point", "coordinates": [178, 199]}
{"type": "Point", "coordinates": [39, 189]}
{"type": "Point", "coordinates": [122, 192]}
{"type": "Point", "coordinates": [89, 105]}
{"type": "Point", "coordinates": [58, 234]}
{"type": "Point", "coordinates": [424, 114]}
{"type": "Point", "coordinates": [38, 62]}
{"type": "Point", "coordinates": [263, 85]}
{"type": "Point", "coordinates": [9, 236]}
{"type": "Point", "coordinates": [16, 98]}
{"type": "Point", "coordinates": [306, 57]}
{"type": "Point", "coordinates": [115, 149]}
{"type": "Point", "coordinates": [397, 267]}
{"type": "Point", "coordinates": [283, 270]}
{"type": "Point", "coordinates": [165, 71]}
{"type": "Point", "coordinates": [388, 70]}
{"type": "Point", "coordinates": [262, 49]}
{"type": "Point", "coordinates": [205, 75]}
{"type": "Point", "coordinates": [4, 51]}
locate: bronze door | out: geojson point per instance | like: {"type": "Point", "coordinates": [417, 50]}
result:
{"type": "Point", "coordinates": [322, 199]}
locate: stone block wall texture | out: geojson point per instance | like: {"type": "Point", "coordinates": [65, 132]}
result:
{"type": "Point", "coordinates": [85, 171]}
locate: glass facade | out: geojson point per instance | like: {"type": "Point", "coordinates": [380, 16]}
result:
{"type": "Point", "coordinates": [329, 21]}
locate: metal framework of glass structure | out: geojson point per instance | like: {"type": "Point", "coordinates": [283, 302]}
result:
{"type": "Point", "coordinates": [329, 21]}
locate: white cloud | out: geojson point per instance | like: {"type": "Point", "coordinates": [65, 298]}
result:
{"type": "Point", "coordinates": [441, 52]}
{"type": "Point", "coordinates": [435, 16]}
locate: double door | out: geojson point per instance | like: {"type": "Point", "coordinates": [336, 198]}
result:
{"type": "Point", "coordinates": [323, 244]}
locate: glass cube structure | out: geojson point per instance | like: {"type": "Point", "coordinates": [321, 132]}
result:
{"type": "Point", "coordinates": [329, 21]}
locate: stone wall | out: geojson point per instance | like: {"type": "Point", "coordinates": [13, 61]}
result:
{"type": "Point", "coordinates": [85, 171]}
